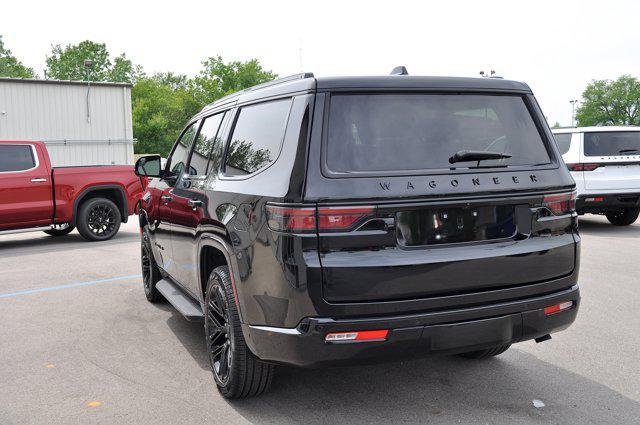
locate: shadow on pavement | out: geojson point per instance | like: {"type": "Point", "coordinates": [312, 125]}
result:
{"type": "Point", "coordinates": [594, 225]}
{"type": "Point", "coordinates": [429, 390]}
{"type": "Point", "coordinates": [190, 334]}
{"type": "Point", "coordinates": [41, 243]}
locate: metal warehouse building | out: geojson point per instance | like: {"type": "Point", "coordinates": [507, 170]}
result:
{"type": "Point", "coordinates": [82, 124]}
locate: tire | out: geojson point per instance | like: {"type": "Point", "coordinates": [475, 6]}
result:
{"type": "Point", "coordinates": [60, 232]}
{"type": "Point", "coordinates": [236, 371]}
{"type": "Point", "coordinates": [98, 219]}
{"type": "Point", "coordinates": [623, 217]}
{"type": "Point", "coordinates": [150, 271]}
{"type": "Point", "coordinates": [485, 354]}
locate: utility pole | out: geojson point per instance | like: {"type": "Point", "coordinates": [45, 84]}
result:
{"type": "Point", "coordinates": [573, 111]}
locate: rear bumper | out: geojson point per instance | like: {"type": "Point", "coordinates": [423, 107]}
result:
{"type": "Point", "coordinates": [443, 332]}
{"type": "Point", "coordinates": [595, 203]}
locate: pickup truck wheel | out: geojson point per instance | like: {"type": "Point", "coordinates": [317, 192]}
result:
{"type": "Point", "coordinates": [98, 219]}
{"type": "Point", "coordinates": [60, 232]}
{"type": "Point", "coordinates": [150, 271]}
{"type": "Point", "coordinates": [237, 372]}
{"type": "Point", "coordinates": [623, 217]}
{"type": "Point", "coordinates": [489, 352]}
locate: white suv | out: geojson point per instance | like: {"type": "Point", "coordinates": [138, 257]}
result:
{"type": "Point", "coordinates": [605, 163]}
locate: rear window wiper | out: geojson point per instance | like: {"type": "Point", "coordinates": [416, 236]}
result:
{"type": "Point", "coordinates": [628, 150]}
{"type": "Point", "coordinates": [464, 155]}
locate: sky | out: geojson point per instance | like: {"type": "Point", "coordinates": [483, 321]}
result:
{"type": "Point", "coordinates": [557, 47]}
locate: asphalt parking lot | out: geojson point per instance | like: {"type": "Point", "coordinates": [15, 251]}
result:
{"type": "Point", "coordinates": [79, 343]}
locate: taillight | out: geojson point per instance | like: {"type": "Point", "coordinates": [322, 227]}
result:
{"type": "Point", "coordinates": [322, 219]}
{"type": "Point", "coordinates": [291, 219]}
{"type": "Point", "coordinates": [340, 219]}
{"type": "Point", "coordinates": [582, 167]}
{"type": "Point", "coordinates": [561, 203]}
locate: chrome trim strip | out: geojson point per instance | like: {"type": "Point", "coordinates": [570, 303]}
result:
{"type": "Point", "coordinates": [285, 331]}
{"type": "Point", "coordinates": [32, 229]}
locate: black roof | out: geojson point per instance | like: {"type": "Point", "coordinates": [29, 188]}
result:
{"type": "Point", "coordinates": [419, 82]}
{"type": "Point", "coordinates": [306, 82]}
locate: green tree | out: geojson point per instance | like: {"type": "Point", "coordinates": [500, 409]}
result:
{"type": "Point", "coordinates": [123, 70]}
{"type": "Point", "coordinates": [218, 79]}
{"type": "Point", "coordinates": [606, 102]}
{"type": "Point", "coordinates": [160, 112]}
{"type": "Point", "coordinates": [10, 66]}
{"type": "Point", "coordinates": [162, 104]}
{"type": "Point", "coordinates": [68, 64]}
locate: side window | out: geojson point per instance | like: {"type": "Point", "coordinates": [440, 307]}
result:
{"type": "Point", "coordinates": [16, 158]}
{"type": "Point", "coordinates": [203, 159]}
{"type": "Point", "coordinates": [180, 155]}
{"type": "Point", "coordinates": [563, 141]}
{"type": "Point", "coordinates": [257, 137]}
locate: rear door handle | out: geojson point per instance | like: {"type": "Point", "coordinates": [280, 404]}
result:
{"type": "Point", "coordinates": [166, 198]}
{"type": "Point", "coordinates": [194, 203]}
{"type": "Point", "coordinates": [38, 180]}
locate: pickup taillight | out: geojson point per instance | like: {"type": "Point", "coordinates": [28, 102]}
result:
{"type": "Point", "coordinates": [321, 219]}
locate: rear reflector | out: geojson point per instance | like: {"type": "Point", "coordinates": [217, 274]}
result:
{"type": "Point", "coordinates": [582, 167]}
{"type": "Point", "coordinates": [558, 307]}
{"type": "Point", "coordinates": [322, 219]}
{"type": "Point", "coordinates": [379, 335]}
{"type": "Point", "coordinates": [559, 204]}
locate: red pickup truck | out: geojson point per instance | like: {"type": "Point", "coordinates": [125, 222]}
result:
{"type": "Point", "coordinates": [34, 196]}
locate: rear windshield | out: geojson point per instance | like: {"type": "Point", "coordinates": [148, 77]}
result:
{"type": "Point", "coordinates": [389, 133]}
{"type": "Point", "coordinates": [612, 143]}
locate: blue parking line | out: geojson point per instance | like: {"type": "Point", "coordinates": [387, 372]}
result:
{"type": "Point", "coordinates": [70, 285]}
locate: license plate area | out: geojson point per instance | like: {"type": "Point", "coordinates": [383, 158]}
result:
{"type": "Point", "coordinates": [441, 226]}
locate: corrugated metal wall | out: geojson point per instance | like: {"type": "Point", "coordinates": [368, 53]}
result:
{"type": "Point", "coordinates": [56, 113]}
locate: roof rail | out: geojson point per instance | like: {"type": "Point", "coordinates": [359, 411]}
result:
{"type": "Point", "coordinates": [282, 80]}
{"type": "Point", "coordinates": [275, 82]}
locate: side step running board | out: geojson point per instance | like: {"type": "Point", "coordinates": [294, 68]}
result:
{"type": "Point", "coordinates": [181, 301]}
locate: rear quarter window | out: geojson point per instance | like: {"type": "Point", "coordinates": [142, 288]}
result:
{"type": "Point", "coordinates": [16, 158]}
{"type": "Point", "coordinates": [257, 137]}
{"type": "Point", "coordinates": [563, 141]}
{"type": "Point", "coordinates": [391, 133]}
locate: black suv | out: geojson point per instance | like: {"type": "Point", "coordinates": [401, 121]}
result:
{"type": "Point", "coordinates": [315, 221]}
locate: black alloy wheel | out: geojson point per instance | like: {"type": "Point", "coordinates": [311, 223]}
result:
{"type": "Point", "coordinates": [219, 335]}
{"type": "Point", "coordinates": [102, 220]}
{"type": "Point", "coordinates": [150, 271]}
{"type": "Point", "coordinates": [238, 373]}
{"type": "Point", "coordinates": [98, 219]}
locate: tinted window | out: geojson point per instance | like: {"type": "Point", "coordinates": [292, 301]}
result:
{"type": "Point", "coordinates": [206, 143]}
{"type": "Point", "coordinates": [563, 141]}
{"type": "Point", "coordinates": [16, 158]}
{"type": "Point", "coordinates": [257, 137]}
{"type": "Point", "coordinates": [180, 154]}
{"type": "Point", "coordinates": [612, 143]}
{"type": "Point", "coordinates": [389, 132]}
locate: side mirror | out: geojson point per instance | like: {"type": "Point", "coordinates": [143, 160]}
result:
{"type": "Point", "coordinates": [149, 166]}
